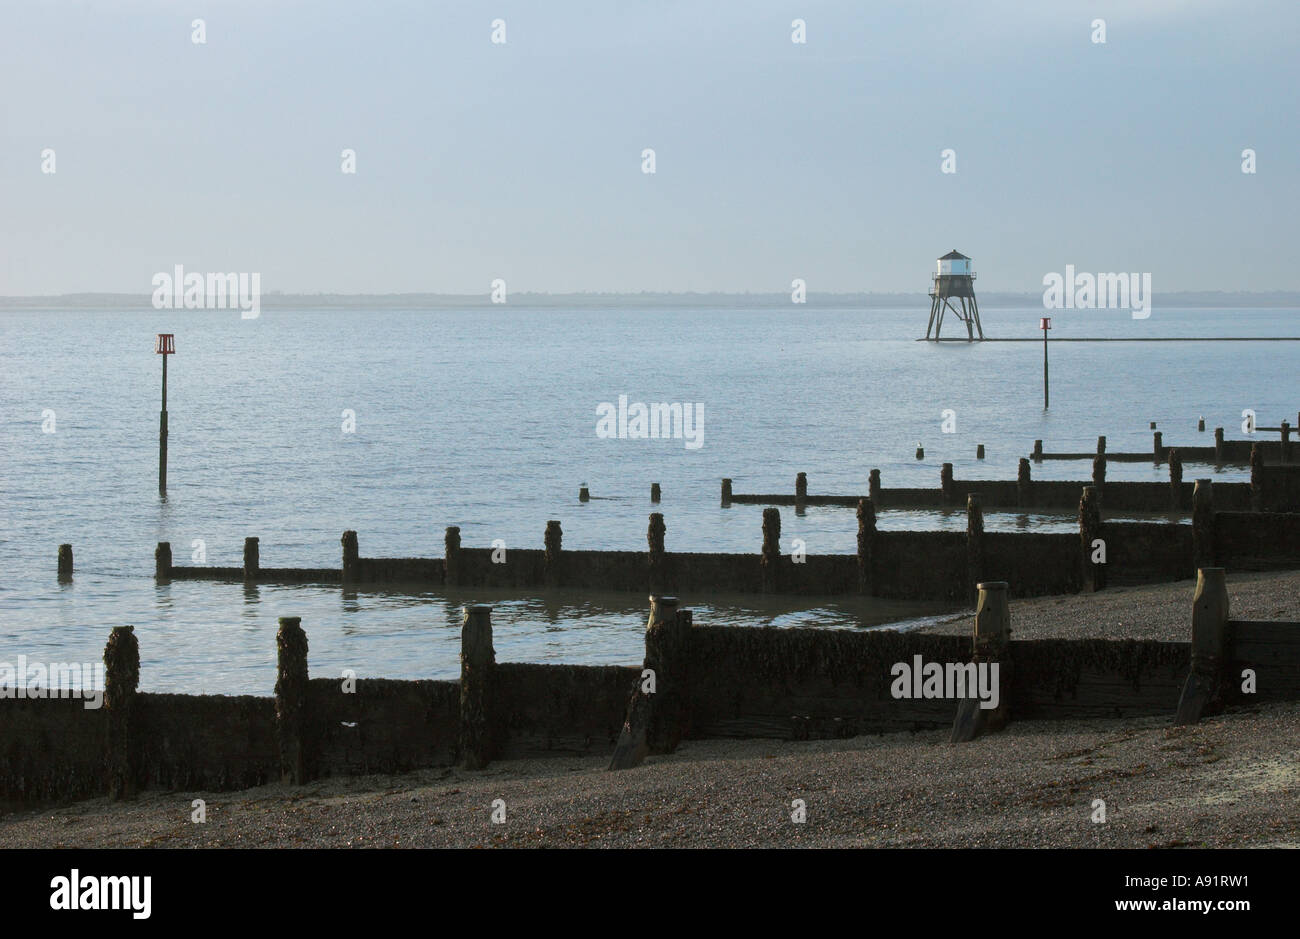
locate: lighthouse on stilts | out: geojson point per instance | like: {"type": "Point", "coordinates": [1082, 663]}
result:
{"type": "Point", "coordinates": [954, 280]}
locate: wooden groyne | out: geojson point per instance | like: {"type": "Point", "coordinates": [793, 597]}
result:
{"type": "Point", "coordinates": [902, 565]}
{"type": "Point", "coordinates": [1274, 488]}
{"type": "Point", "coordinates": [696, 682]}
{"type": "Point", "coordinates": [1224, 452]}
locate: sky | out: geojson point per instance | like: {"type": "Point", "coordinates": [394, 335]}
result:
{"type": "Point", "coordinates": [522, 160]}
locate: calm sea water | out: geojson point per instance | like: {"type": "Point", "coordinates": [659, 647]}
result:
{"type": "Point", "coordinates": [486, 419]}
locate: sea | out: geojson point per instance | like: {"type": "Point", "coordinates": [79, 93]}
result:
{"type": "Point", "coordinates": [300, 423]}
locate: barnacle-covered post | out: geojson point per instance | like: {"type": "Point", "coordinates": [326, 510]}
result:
{"type": "Point", "coordinates": [477, 678]}
{"type": "Point", "coordinates": [121, 678]}
{"type": "Point", "coordinates": [291, 699]}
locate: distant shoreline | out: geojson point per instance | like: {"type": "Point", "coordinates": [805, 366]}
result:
{"type": "Point", "coordinates": [436, 301]}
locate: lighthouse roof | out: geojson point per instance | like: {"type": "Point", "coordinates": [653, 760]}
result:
{"type": "Point", "coordinates": [954, 255]}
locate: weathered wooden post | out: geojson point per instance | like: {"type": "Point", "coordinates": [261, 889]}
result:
{"type": "Point", "coordinates": [800, 491]}
{"type": "Point", "coordinates": [1101, 444]}
{"type": "Point", "coordinates": [291, 699]}
{"type": "Point", "coordinates": [655, 539]}
{"type": "Point", "coordinates": [553, 559]}
{"type": "Point", "coordinates": [1203, 524]}
{"type": "Point", "coordinates": [1099, 470]}
{"type": "Point", "coordinates": [121, 678]}
{"type": "Point", "coordinates": [584, 494]}
{"type": "Point", "coordinates": [873, 487]}
{"type": "Point", "coordinates": [65, 562]}
{"type": "Point", "coordinates": [252, 559]}
{"type": "Point", "coordinates": [164, 345]}
{"type": "Point", "coordinates": [975, 554]}
{"type": "Point", "coordinates": [866, 537]}
{"type": "Point", "coordinates": [668, 651]}
{"type": "Point", "coordinates": [979, 451]}
{"type": "Point", "coordinates": [1091, 541]}
{"type": "Point", "coordinates": [1203, 690]}
{"type": "Point", "coordinates": [946, 485]}
{"type": "Point", "coordinates": [726, 493]}
{"type": "Point", "coordinates": [1286, 442]}
{"type": "Point", "coordinates": [1218, 445]}
{"type": "Point", "coordinates": [1024, 485]}
{"type": "Point", "coordinates": [1175, 480]}
{"type": "Point", "coordinates": [1200, 424]}
{"type": "Point", "coordinates": [662, 636]}
{"type": "Point", "coordinates": [1038, 451]}
{"type": "Point", "coordinates": [654, 492]}
{"type": "Point", "coordinates": [351, 557]}
{"type": "Point", "coordinates": [451, 556]}
{"type": "Point", "coordinates": [770, 560]}
{"type": "Point", "coordinates": [991, 641]}
{"type": "Point", "coordinates": [162, 561]}
{"type": "Point", "coordinates": [920, 451]}
{"type": "Point", "coordinates": [1256, 477]}
{"type": "Point", "coordinates": [1157, 446]}
{"type": "Point", "coordinates": [477, 680]}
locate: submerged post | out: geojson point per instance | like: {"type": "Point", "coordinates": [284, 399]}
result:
{"type": "Point", "coordinates": [162, 561]}
{"type": "Point", "coordinates": [1203, 690]}
{"type": "Point", "coordinates": [866, 535]}
{"type": "Point", "coordinates": [654, 492]}
{"type": "Point", "coordinates": [800, 491]}
{"type": "Point", "coordinates": [351, 557]}
{"type": "Point", "coordinates": [121, 678]}
{"type": "Point", "coordinates": [979, 451]}
{"type": "Point", "coordinates": [451, 556]}
{"type": "Point", "coordinates": [291, 699]}
{"type": "Point", "coordinates": [1092, 546]}
{"type": "Point", "coordinates": [1203, 524]}
{"type": "Point", "coordinates": [726, 493]}
{"type": "Point", "coordinates": [65, 562]}
{"type": "Point", "coordinates": [252, 560]}
{"type": "Point", "coordinates": [1157, 446]}
{"type": "Point", "coordinates": [771, 557]}
{"type": "Point", "coordinates": [477, 676]}
{"type": "Point", "coordinates": [164, 345]}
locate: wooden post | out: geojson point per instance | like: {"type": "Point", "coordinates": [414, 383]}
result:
{"type": "Point", "coordinates": [974, 544]}
{"type": "Point", "coordinates": [920, 452]}
{"type": "Point", "coordinates": [291, 700]}
{"type": "Point", "coordinates": [1256, 477]}
{"type": "Point", "coordinates": [1286, 442]}
{"type": "Point", "coordinates": [668, 652]}
{"type": "Point", "coordinates": [866, 535]}
{"type": "Point", "coordinates": [553, 559]}
{"type": "Point", "coordinates": [946, 484]}
{"type": "Point", "coordinates": [654, 492]}
{"type": "Point", "coordinates": [770, 559]}
{"type": "Point", "coordinates": [990, 639]}
{"type": "Point", "coordinates": [477, 677]}
{"type": "Point", "coordinates": [979, 451]}
{"type": "Point", "coordinates": [633, 740]}
{"type": "Point", "coordinates": [1203, 690]}
{"type": "Point", "coordinates": [252, 561]}
{"type": "Point", "coordinates": [1099, 470]}
{"type": "Point", "coordinates": [1203, 524]}
{"type": "Point", "coordinates": [873, 487]}
{"type": "Point", "coordinates": [726, 493]}
{"type": "Point", "coordinates": [1094, 573]}
{"type": "Point", "coordinates": [65, 562]}
{"type": "Point", "coordinates": [451, 556]}
{"type": "Point", "coordinates": [1218, 445]}
{"type": "Point", "coordinates": [1101, 444]}
{"type": "Point", "coordinates": [351, 557]}
{"type": "Point", "coordinates": [1200, 425]}
{"type": "Point", "coordinates": [1038, 451]}
{"type": "Point", "coordinates": [584, 494]}
{"type": "Point", "coordinates": [162, 561]}
{"type": "Point", "coordinates": [1175, 480]}
{"type": "Point", "coordinates": [1157, 446]}
{"type": "Point", "coordinates": [1024, 485]}
{"type": "Point", "coordinates": [800, 491]}
{"type": "Point", "coordinates": [655, 539]}
{"type": "Point", "coordinates": [121, 678]}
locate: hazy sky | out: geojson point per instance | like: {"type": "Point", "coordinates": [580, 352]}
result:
{"type": "Point", "coordinates": [774, 160]}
